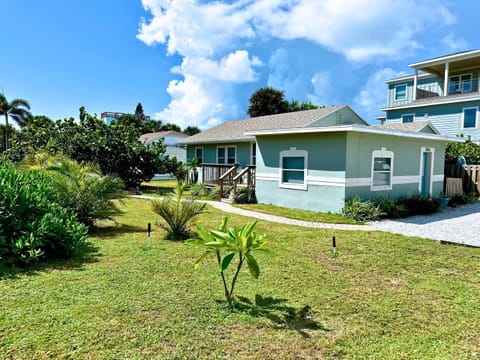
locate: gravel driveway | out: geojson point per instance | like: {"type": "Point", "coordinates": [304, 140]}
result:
{"type": "Point", "coordinates": [457, 225]}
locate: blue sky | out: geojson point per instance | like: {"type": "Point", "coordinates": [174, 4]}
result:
{"type": "Point", "coordinates": [197, 62]}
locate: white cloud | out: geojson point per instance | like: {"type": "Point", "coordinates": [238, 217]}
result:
{"type": "Point", "coordinates": [453, 43]}
{"type": "Point", "coordinates": [322, 88]}
{"type": "Point", "coordinates": [372, 96]}
{"type": "Point", "coordinates": [213, 38]}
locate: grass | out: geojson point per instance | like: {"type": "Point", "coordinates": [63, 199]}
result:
{"type": "Point", "coordinates": [298, 214]}
{"type": "Point", "coordinates": [158, 187]}
{"type": "Point", "coordinates": [383, 297]}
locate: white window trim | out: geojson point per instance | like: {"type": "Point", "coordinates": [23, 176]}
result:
{"type": "Point", "coordinates": [411, 114]}
{"type": "Point", "coordinates": [395, 92]}
{"type": "Point", "coordinates": [432, 151]}
{"type": "Point", "coordinates": [460, 79]}
{"type": "Point", "coordinates": [293, 153]}
{"type": "Point", "coordinates": [226, 154]}
{"type": "Point", "coordinates": [382, 153]}
{"type": "Point", "coordinates": [463, 117]}
{"type": "Point", "coordinates": [199, 147]}
{"type": "Point", "coordinates": [251, 153]}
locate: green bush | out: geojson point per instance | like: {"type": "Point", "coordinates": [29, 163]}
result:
{"type": "Point", "coordinates": [177, 213]}
{"type": "Point", "coordinates": [389, 208]}
{"type": "Point", "coordinates": [418, 204]}
{"type": "Point", "coordinates": [199, 190]}
{"type": "Point", "coordinates": [359, 210]}
{"type": "Point", "coordinates": [462, 199]}
{"type": "Point", "coordinates": [245, 195]}
{"type": "Point", "coordinates": [32, 223]}
{"type": "Point", "coordinates": [82, 188]}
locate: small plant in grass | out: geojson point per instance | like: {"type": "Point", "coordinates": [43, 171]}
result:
{"type": "Point", "coordinates": [226, 244]}
{"type": "Point", "coordinates": [359, 210]}
{"type": "Point", "coordinates": [199, 190]}
{"type": "Point", "coordinates": [245, 195]}
{"type": "Point", "coordinates": [177, 213]}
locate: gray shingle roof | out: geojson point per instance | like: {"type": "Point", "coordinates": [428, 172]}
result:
{"type": "Point", "coordinates": [416, 126]}
{"type": "Point", "coordinates": [235, 129]}
{"type": "Point", "coordinates": [161, 134]}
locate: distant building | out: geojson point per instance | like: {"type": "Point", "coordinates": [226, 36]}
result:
{"type": "Point", "coordinates": [442, 90]}
{"type": "Point", "coordinates": [170, 138]}
{"type": "Point", "coordinates": [109, 117]}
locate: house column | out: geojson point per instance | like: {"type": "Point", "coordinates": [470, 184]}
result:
{"type": "Point", "coordinates": [415, 79]}
{"type": "Point", "coordinates": [445, 80]}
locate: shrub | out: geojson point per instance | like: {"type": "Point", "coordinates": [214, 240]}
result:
{"type": "Point", "coordinates": [32, 223]}
{"type": "Point", "coordinates": [199, 190]}
{"type": "Point", "coordinates": [418, 204]}
{"type": "Point", "coordinates": [225, 244]}
{"type": "Point", "coordinates": [389, 208]}
{"type": "Point", "coordinates": [245, 195]}
{"type": "Point", "coordinates": [177, 213]}
{"type": "Point", "coordinates": [81, 187]}
{"type": "Point", "coordinates": [461, 199]}
{"type": "Point", "coordinates": [359, 210]}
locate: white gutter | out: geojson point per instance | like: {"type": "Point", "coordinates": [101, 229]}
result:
{"type": "Point", "coordinates": [356, 129]}
{"type": "Point", "coordinates": [441, 60]}
{"type": "Point", "coordinates": [213, 141]}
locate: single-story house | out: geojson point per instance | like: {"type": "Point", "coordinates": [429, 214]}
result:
{"type": "Point", "coordinates": [171, 139]}
{"type": "Point", "coordinates": [316, 159]}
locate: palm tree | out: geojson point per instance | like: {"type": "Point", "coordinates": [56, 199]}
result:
{"type": "Point", "coordinates": [17, 109]}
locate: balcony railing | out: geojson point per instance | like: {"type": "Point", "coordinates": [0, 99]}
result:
{"type": "Point", "coordinates": [455, 88]}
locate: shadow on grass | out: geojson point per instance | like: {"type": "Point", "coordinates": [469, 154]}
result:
{"type": "Point", "coordinates": [118, 229]}
{"type": "Point", "coordinates": [156, 190]}
{"type": "Point", "coordinates": [282, 315]}
{"type": "Point", "coordinates": [87, 254]}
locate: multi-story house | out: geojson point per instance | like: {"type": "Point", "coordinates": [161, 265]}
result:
{"type": "Point", "coordinates": [443, 90]}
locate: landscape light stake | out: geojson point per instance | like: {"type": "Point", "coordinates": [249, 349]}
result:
{"type": "Point", "coordinates": [334, 246]}
{"type": "Point", "coordinates": [149, 230]}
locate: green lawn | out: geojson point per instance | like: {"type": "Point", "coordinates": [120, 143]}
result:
{"type": "Point", "coordinates": [298, 214]}
{"type": "Point", "coordinates": [384, 297]}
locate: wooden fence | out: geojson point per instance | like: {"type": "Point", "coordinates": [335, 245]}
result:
{"type": "Point", "coordinates": [470, 175]}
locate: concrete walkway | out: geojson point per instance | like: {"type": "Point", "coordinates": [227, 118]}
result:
{"type": "Point", "coordinates": [226, 207]}
{"type": "Point", "coordinates": [460, 225]}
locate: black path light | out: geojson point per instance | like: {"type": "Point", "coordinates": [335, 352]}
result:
{"type": "Point", "coordinates": [149, 230]}
{"type": "Point", "coordinates": [334, 246]}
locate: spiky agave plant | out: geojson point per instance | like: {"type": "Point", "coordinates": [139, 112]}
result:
{"type": "Point", "coordinates": [178, 213]}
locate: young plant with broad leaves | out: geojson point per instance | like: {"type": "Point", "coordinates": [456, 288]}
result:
{"type": "Point", "coordinates": [178, 213]}
{"type": "Point", "coordinates": [226, 244]}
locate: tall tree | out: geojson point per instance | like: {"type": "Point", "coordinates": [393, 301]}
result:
{"type": "Point", "coordinates": [267, 101]}
{"type": "Point", "coordinates": [191, 130]}
{"type": "Point", "coordinates": [139, 111]}
{"type": "Point", "coordinates": [295, 105]}
{"type": "Point", "coordinates": [17, 109]}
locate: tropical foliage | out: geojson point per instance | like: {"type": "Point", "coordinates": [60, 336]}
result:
{"type": "Point", "coordinates": [226, 244]}
{"type": "Point", "coordinates": [115, 149]}
{"type": "Point", "coordinates": [469, 150]}
{"type": "Point", "coordinates": [17, 110]}
{"type": "Point", "coordinates": [33, 224]}
{"type": "Point", "coordinates": [177, 213]}
{"type": "Point", "coordinates": [82, 189]}
{"type": "Point", "coordinates": [245, 195]}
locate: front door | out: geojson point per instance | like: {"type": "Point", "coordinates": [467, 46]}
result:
{"type": "Point", "coordinates": [426, 172]}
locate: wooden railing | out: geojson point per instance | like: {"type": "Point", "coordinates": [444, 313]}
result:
{"type": "Point", "coordinates": [249, 172]}
{"type": "Point", "coordinates": [211, 173]}
{"type": "Point", "coordinates": [227, 179]}
{"type": "Point", "coordinates": [470, 175]}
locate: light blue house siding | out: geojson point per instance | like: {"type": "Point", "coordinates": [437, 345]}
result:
{"type": "Point", "coordinates": [446, 118]}
{"type": "Point", "coordinates": [408, 167]}
{"type": "Point", "coordinates": [339, 167]}
{"type": "Point", "coordinates": [242, 152]}
{"type": "Point", "coordinates": [326, 171]}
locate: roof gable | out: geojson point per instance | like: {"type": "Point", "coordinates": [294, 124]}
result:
{"type": "Point", "coordinates": [235, 130]}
